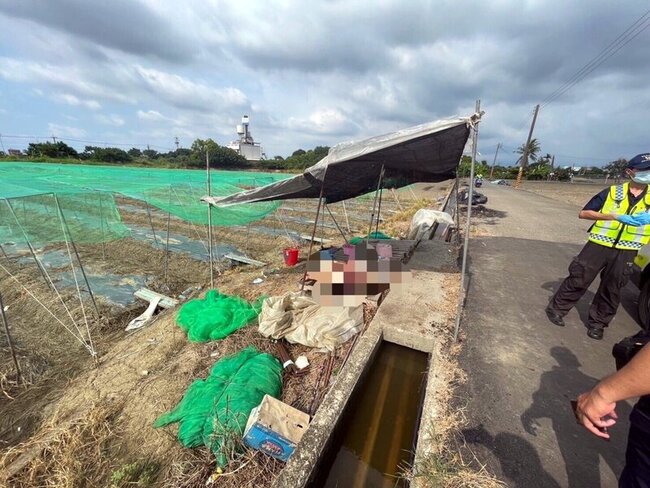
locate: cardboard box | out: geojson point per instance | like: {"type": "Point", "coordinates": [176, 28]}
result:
{"type": "Point", "coordinates": [275, 428]}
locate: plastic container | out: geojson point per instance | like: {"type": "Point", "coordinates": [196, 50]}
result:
{"type": "Point", "coordinates": [291, 256]}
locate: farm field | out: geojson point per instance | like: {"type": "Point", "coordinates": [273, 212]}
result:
{"type": "Point", "coordinates": [86, 383]}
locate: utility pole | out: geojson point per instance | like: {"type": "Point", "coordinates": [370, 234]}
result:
{"type": "Point", "coordinates": [553, 161]}
{"type": "Point", "coordinates": [524, 158]}
{"type": "Point", "coordinates": [176, 142]}
{"type": "Point", "coordinates": [54, 139]}
{"type": "Point", "coordinates": [495, 160]}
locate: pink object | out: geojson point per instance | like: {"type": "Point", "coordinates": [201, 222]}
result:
{"type": "Point", "coordinates": [349, 250]}
{"type": "Point", "coordinates": [291, 256]}
{"type": "Point", "coordinates": [384, 250]}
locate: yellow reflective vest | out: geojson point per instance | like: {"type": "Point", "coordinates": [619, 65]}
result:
{"type": "Point", "coordinates": [612, 233]}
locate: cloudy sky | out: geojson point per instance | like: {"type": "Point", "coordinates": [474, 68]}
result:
{"type": "Point", "coordinates": [320, 72]}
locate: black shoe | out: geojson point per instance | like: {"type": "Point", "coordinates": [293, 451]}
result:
{"type": "Point", "coordinates": [554, 317]}
{"type": "Point", "coordinates": [595, 333]}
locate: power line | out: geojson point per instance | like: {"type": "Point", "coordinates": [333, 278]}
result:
{"type": "Point", "coordinates": [610, 50]}
{"type": "Point", "coordinates": [85, 141]}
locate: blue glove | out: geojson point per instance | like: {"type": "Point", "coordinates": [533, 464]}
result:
{"type": "Point", "coordinates": [629, 220]}
{"type": "Point", "coordinates": [642, 218]}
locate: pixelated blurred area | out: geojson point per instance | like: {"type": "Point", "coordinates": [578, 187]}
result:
{"type": "Point", "coordinates": [345, 276]}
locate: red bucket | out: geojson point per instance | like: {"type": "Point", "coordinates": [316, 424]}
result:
{"type": "Point", "coordinates": [290, 256]}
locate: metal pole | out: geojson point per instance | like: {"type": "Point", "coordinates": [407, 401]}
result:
{"type": "Point", "coordinates": [456, 185]}
{"type": "Point", "coordinates": [347, 221]}
{"type": "Point", "coordinates": [74, 248]}
{"type": "Point", "coordinates": [155, 239]}
{"type": "Point", "coordinates": [169, 216]}
{"type": "Point", "coordinates": [495, 160]}
{"type": "Point", "coordinates": [207, 169]}
{"type": "Point", "coordinates": [9, 341]}
{"type": "Point", "coordinates": [381, 193]}
{"type": "Point", "coordinates": [374, 204]}
{"type": "Point", "coordinates": [313, 234]}
{"type": "Point", "coordinates": [467, 225]}
{"type": "Point", "coordinates": [524, 157]}
{"type": "Point", "coordinates": [29, 245]}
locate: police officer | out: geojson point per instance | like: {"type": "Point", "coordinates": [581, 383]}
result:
{"type": "Point", "coordinates": [621, 228]}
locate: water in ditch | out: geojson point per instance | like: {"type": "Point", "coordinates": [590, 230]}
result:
{"type": "Point", "coordinates": [376, 437]}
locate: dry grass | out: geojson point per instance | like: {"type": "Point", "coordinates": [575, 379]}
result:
{"type": "Point", "coordinates": [65, 454]}
{"type": "Point", "coordinates": [441, 464]}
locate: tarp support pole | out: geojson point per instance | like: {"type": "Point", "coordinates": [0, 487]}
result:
{"type": "Point", "coordinates": [470, 196]}
{"type": "Point", "coordinates": [347, 221]}
{"type": "Point", "coordinates": [29, 245]}
{"type": "Point", "coordinates": [336, 223]}
{"type": "Point", "coordinates": [374, 204]}
{"type": "Point", "coordinates": [381, 194]}
{"type": "Point", "coordinates": [10, 341]}
{"type": "Point", "coordinates": [313, 234]}
{"type": "Point", "coordinates": [74, 248]}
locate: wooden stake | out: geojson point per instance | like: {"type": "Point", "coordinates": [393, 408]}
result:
{"type": "Point", "coordinates": [9, 341]}
{"type": "Point", "coordinates": [347, 221]}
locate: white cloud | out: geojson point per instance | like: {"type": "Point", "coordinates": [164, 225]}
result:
{"type": "Point", "coordinates": [327, 121]}
{"type": "Point", "coordinates": [65, 131]}
{"type": "Point", "coordinates": [112, 120]}
{"type": "Point", "coordinates": [152, 116]}
{"type": "Point", "coordinates": [76, 102]}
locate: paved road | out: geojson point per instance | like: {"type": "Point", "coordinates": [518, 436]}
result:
{"type": "Point", "coordinates": [522, 370]}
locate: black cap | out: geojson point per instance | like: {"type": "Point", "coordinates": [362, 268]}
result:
{"type": "Point", "coordinates": [640, 162]}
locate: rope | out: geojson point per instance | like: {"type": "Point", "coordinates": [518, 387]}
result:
{"type": "Point", "coordinates": [80, 339]}
{"type": "Point", "coordinates": [74, 274]}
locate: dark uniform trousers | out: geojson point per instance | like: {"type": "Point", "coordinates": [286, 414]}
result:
{"type": "Point", "coordinates": [615, 267]}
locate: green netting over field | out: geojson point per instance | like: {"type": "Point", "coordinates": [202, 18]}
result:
{"type": "Point", "coordinates": [216, 316]}
{"type": "Point", "coordinates": [86, 197]}
{"type": "Point", "coordinates": [214, 411]}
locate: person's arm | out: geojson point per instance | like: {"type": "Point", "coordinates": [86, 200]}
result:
{"type": "Point", "coordinates": [596, 409]}
{"type": "Point", "coordinates": [593, 215]}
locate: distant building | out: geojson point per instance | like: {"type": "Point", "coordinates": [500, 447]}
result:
{"type": "Point", "coordinates": [246, 146]}
{"type": "Point", "coordinates": [15, 152]}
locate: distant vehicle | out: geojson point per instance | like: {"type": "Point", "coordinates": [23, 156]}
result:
{"type": "Point", "coordinates": [500, 182]}
{"type": "Point", "coordinates": [478, 182]}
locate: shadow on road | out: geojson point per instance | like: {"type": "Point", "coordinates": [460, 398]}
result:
{"type": "Point", "coordinates": [521, 468]}
{"type": "Point", "coordinates": [552, 399]}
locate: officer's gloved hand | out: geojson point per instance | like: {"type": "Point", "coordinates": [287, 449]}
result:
{"type": "Point", "coordinates": [643, 218]}
{"type": "Point", "coordinates": [629, 220]}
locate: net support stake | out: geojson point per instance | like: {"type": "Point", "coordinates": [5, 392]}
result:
{"type": "Point", "coordinates": [101, 223]}
{"type": "Point", "coordinates": [374, 203]}
{"type": "Point", "coordinates": [76, 253]}
{"type": "Point", "coordinates": [153, 231]}
{"type": "Point", "coordinates": [207, 170]}
{"type": "Point", "coordinates": [169, 218]}
{"type": "Point", "coordinates": [29, 245]}
{"type": "Point", "coordinates": [10, 341]}
{"type": "Point", "coordinates": [381, 194]}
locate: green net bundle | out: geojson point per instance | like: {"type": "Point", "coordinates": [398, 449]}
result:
{"type": "Point", "coordinates": [372, 235]}
{"type": "Point", "coordinates": [216, 316]}
{"type": "Point", "coordinates": [214, 411]}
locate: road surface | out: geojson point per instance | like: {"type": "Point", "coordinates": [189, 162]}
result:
{"type": "Point", "coordinates": [522, 370]}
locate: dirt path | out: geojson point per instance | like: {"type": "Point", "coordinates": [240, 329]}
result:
{"type": "Point", "coordinates": [522, 370]}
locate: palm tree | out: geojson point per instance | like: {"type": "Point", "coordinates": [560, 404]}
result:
{"type": "Point", "coordinates": [533, 150]}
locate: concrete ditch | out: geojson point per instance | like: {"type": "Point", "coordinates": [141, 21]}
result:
{"type": "Point", "coordinates": [409, 318]}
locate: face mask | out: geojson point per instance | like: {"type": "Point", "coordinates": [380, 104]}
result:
{"type": "Point", "coordinates": [642, 177]}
